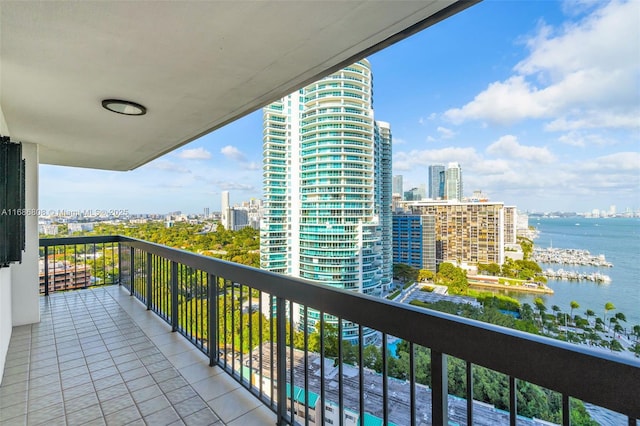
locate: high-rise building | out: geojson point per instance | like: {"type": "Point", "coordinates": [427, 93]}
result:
{"type": "Point", "coordinates": [225, 214]}
{"type": "Point", "coordinates": [414, 241]}
{"type": "Point", "coordinates": [384, 198]}
{"type": "Point", "coordinates": [453, 182]}
{"type": "Point", "coordinates": [397, 185]}
{"type": "Point", "coordinates": [238, 219]}
{"type": "Point", "coordinates": [436, 181]}
{"type": "Point", "coordinates": [414, 194]}
{"type": "Point", "coordinates": [510, 225]}
{"type": "Point", "coordinates": [328, 187]}
{"type": "Point", "coordinates": [468, 232]}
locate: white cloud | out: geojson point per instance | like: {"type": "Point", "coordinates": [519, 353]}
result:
{"type": "Point", "coordinates": [235, 186]}
{"type": "Point", "coordinates": [595, 120]}
{"type": "Point", "coordinates": [232, 152]}
{"type": "Point", "coordinates": [492, 167]}
{"type": "Point", "coordinates": [445, 133]}
{"type": "Point", "coordinates": [167, 166]}
{"type": "Point", "coordinates": [572, 139]}
{"type": "Point", "coordinates": [195, 154]}
{"type": "Point", "coordinates": [581, 139]}
{"type": "Point", "coordinates": [403, 161]}
{"type": "Point", "coordinates": [253, 166]}
{"type": "Point", "coordinates": [509, 147]}
{"type": "Point", "coordinates": [501, 103]}
{"type": "Point", "coordinates": [620, 161]}
{"type": "Point", "coordinates": [576, 7]}
{"type": "Point", "coordinates": [581, 75]}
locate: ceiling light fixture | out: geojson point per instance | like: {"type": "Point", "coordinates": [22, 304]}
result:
{"type": "Point", "coordinates": [124, 107]}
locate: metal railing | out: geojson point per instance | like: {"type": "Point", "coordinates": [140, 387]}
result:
{"type": "Point", "coordinates": [255, 318]}
{"type": "Point", "coordinates": [76, 263]}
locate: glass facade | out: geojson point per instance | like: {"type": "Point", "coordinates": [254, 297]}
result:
{"type": "Point", "coordinates": [327, 186]}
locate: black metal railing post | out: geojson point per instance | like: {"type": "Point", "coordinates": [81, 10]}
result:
{"type": "Point", "coordinates": [469, 395]}
{"type": "Point", "coordinates": [412, 383]}
{"type": "Point", "coordinates": [281, 360]}
{"type": "Point", "coordinates": [148, 281]}
{"type": "Point", "coordinates": [385, 381]}
{"type": "Point", "coordinates": [46, 271]}
{"type": "Point", "coordinates": [132, 262]}
{"type": "Point", "coordinates": [174, 296]}
{"type": "Point", "coordinates": [439, 388]}
{"type": "Point", "coordinates": [513, 402]}
{"type": "Point", "coordinates": [212, 307]}
{"type": "Point", "coordinates": [119, 263]}
{"type": "Point", "coordinates": [566, 410]}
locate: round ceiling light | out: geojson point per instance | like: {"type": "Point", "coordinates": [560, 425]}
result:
{"type": "Point", "coordinates": [124, 107]}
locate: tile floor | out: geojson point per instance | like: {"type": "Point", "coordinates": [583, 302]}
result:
{"type": "Point", "coordinates": [99, 357]}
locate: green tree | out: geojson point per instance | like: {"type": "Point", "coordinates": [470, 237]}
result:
{"type": "Point", "coordinates": [372, 357]}
{"type": "Point", "coordinates": [404, 273]}
{"type": "Point", "coordinates": [615, 345]}
{"type": "Point", "coordinates": [425, 275]}
{"type": "Point", "coordinates": [636, 331]}
{"type": "Point", "coordinates": [509, 268]}
{"type": "Point", "coordinates": [541, 308]}
{"type": "Point", "coordinates": [589, 313]}
{"type": "Point", "coordinates": [526, 312]}
{"type": "Point", "coordinates": [492, 269]}
{"type": "Point", "coordinates": [608, 307]}
{"type": "Point", "coordinates": [574, 305]}
{"type": "Point", "coordinates": [453, 277]}
{"type": "Point", "coordinates": [527, 247]}
{"type": "Point", "coordinates": [556, 312]}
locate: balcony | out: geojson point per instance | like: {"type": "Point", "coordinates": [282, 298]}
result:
{"type": "Point", "coordinates": [98, 357]}
{"type": "Point", "coordinates": [136, 347]}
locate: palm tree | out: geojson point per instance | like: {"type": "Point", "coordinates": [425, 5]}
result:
{"type": "Point", "coordinates": [589, 313]}
{"type": "Point", "coordinates": [526, 311]}
{"type": "Point", "coordinates": [541, 308]}
{"type": "Point", "coordinates": [621, 317]}
{"type": "Point", "coordinates": [614, 345]}
{"type": "Point", "coordinates": [556, 310]}
{"type": "Point", "coordinates": [612, 321]}
{"type": "Point", "coordinates": [636, 331]}
{"type": "Point", "coordinates": [574, 305]}
{"type": "Point", "coordinates": [608, 307]}
{"type": "Point", "coordinates": [618, 328]}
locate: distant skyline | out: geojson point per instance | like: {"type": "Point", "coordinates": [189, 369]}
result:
{"type": "Point", "coordinates": [539, 102]}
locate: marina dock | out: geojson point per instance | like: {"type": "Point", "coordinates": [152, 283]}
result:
{"type": "Point", "coordinates": [569, 257]}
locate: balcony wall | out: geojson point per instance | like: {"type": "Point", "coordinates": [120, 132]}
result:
{"type": "Point", "coordinates": [5, 287]}
{"type": "Point", "coordinates": [19, 282]}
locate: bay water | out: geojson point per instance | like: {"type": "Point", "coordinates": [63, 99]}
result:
{"type": "Point", "coordinates": [618, 239]}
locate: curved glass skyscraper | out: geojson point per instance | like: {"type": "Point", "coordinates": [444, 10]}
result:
{"type": "Point", "coordinates": [327, 186]}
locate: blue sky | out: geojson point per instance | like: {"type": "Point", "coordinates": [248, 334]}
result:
{"type": "Point", "coordinates": [539, 101]}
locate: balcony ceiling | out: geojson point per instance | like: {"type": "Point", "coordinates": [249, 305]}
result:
{"type": "Point", "coordinates": [196, 66]}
